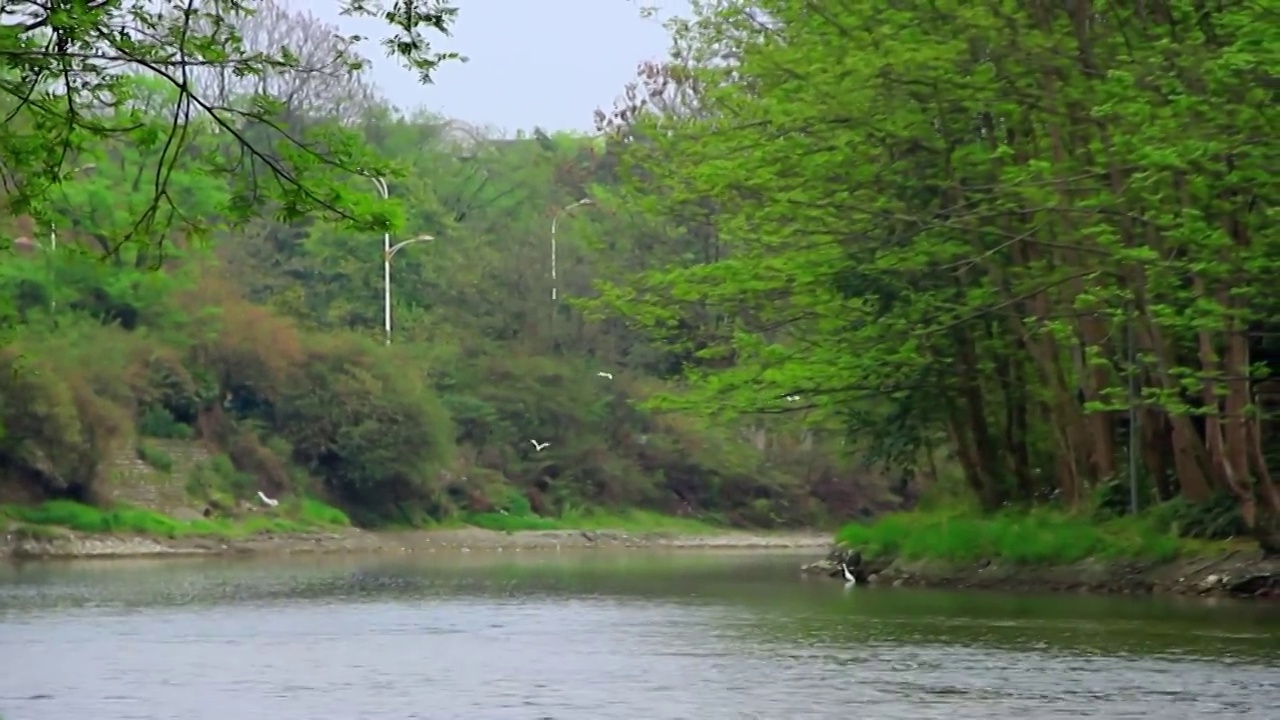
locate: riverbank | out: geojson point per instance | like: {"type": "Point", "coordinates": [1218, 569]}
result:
{"type": "Point", "coordinates": [1239, 573]}
{"type": "Point", "coordinates": [51, 544]}
{"type": "Point", "coordinates": [1046, 550]}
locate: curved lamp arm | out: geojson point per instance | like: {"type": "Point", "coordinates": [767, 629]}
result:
{"type": "Point", "coordinates": [381, 185]}
{"type": "Point", "coordinates": [391, 252]}
{"type": "Point", "coordinates": [567, 208]}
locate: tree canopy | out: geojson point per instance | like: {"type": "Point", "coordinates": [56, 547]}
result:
{"type": "Point", "coordinates": [1005, 223]}
{"type": "Point", "coordinates": [266, 82]}
{"type": "Point", "coordinates": [254, 329]}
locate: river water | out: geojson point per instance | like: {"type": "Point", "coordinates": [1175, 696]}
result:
{"type": "Point", "coordinates": [601, 636]}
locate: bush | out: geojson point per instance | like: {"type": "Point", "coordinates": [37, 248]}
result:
{"type": "Point", "coordinates": [155, 457]}
{"type": "Point", "coordinates": [157, 422]}
{"type": "Point", "coordinates": [314, 512]}
{"type": "Point", "coordinates": [59, 431]}
{"type": "Point", "coordinates": [374, 429]}
{"type": "Point", "coordinates": [365, 425]}
{"type": "Point", "coordinates": [1218, 519]}
{"type": "Point", "coordinates": [217, 478]}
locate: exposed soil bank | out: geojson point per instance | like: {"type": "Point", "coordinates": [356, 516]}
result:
{"type": "Point", "coordinates": [67, 545]}
{"type": "Point", "coordinates": [1239, 573]}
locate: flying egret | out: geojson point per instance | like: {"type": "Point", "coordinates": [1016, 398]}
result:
{"type": "Point", "coordinates": [605, 375]}
{"type": "Point", "coordinates": [269, 502]}
{"type": "Point", "coordinates": [539, 447]}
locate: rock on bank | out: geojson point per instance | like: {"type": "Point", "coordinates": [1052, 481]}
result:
{"type": "Point", "coordinates": [46, 543]}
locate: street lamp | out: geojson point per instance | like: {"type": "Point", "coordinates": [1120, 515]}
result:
{"type": "Point", "coordinates": [381, 185]}
{"type": "Point", "coordinates": [555, 296]}
{"type": "Point", "coordinates": [388, 252]}
{"type": "Point", "coordinates": [386, 269]}
{"type": "Point", "coordinates": [53, 246]}
{"type": "Point", "coordinates": [554, 221]}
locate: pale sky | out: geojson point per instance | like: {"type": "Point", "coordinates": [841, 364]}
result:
{"type": "Point", "coordinates": [546, 63]}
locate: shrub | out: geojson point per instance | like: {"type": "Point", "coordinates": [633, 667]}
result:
{"type": "Point", "coordinates": [155, 457]}
{"type": "Point", "coordinates": [157, 422]}
{"type": "Point", "coordinates": [367, 426]}
{"type": "Point", "coordinates": [58, 430]}
{"type": "Point", "coordinates": [313, 512]}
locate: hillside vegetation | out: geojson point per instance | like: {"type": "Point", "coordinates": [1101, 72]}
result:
{"type": "Point", "coordinates": [1017, 257]}
{"type": "Point", "coordinates": [259, 335]}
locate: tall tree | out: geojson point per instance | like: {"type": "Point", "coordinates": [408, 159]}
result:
{"type": "Point", "coordinates": [959, 212]}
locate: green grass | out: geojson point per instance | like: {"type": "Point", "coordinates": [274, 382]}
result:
{"type": "Point", "coordinates": [303, 516]}
{"type": "Point", "coordinates": [638, 521]}
{"type": "Point", "coordinates": [155, 457]}
{"type": "Point", "coordinates": [1040, 537]}
{"type": "Point", "coordinates": [313, 512]}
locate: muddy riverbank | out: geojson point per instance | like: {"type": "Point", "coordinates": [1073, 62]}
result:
{"type": "Point", "coordinates": [54, 544]}
{"type": "Point", "coordinates": [1244, 572]}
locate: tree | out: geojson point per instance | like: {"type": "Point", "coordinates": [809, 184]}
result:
{"type": "Point", "coordinates": [326, 80]}
{"type": "Point", "coordinates": [65, 71]}
{"type": "Point", "coordinates": [959, 213]}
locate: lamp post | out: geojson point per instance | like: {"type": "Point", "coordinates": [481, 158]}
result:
{"type": "Point", "coordinates": [53, 246]}
{"type": "Point", "coordinates": [554, 221]}
{"type": "Point", "coordinates": [388, 252]}
{"type": "Point", "coordinates": [386, 269]}
{"type": "Point", "coordinates": [555, 295]}
{"type": "Point", "coordinates": [381, 185]}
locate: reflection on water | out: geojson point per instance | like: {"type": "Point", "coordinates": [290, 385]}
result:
{"type": "Point", "coordinates": [631, 635]}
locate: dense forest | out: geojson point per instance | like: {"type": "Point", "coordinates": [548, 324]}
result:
{"type": "Point", "coordinates": [223, 283]}
{"type": "Point", "coordinates": [1041, 233]}
{"type": "Point", "coordinates": [823, 254]}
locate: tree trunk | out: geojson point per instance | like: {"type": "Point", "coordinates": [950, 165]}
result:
{"type": "Point", "coordinates": [1229, 475]}
{"type": "Point", "coordinates": [1154, 439]}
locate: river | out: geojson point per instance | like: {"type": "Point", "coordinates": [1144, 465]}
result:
{"type": "Point", "coordinates": [628, 635]}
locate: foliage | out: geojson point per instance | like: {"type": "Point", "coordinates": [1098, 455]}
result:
{"type": "Point", "coordinates": [155, 457]}
{"type": "Point", "coordinates": [155, 79]}
{"type": "Point", "coordinates": [231, 316]}
{"type": "Point", "coordinates": [998, 227]}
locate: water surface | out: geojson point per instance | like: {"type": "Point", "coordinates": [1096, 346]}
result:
{"type": "Point", "coordinates": [599, 636]}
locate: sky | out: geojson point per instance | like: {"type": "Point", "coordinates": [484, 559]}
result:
{"type": "Point", "coordinates": [544, 63]}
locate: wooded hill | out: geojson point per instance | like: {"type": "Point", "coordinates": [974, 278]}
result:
{"type": "Point", "coordinates": [220, 279]}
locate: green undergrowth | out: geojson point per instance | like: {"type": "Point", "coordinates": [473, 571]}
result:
{"type": "Point", "coordinates": [295, 517]}
{"type": "Point", "coordinates": [1038, 537]}
{"type": "Point", "coordinates": [630, 521]}
{"type": "Point", "coordinates": [308, 515]}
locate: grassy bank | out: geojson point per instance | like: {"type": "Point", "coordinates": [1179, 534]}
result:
{"type": "Point", "coordinates": [1038, 537]}
{"type": "Point", "coordinates": [310, 516]}
{"type": "Point", "coordinates": [296, 517]}
{"type": "Point", "coordinates": [629, 520]}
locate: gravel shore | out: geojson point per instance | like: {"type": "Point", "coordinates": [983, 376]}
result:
{"type": "Point", "coordinates": [50, 544]}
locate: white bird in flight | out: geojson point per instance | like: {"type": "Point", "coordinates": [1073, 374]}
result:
{"type": "Point", "coordinates": [539, 447]}
{"type": "Point", "coordinates": [605, 375]}
{"type": "Point", "coordinates": [269, 502]}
